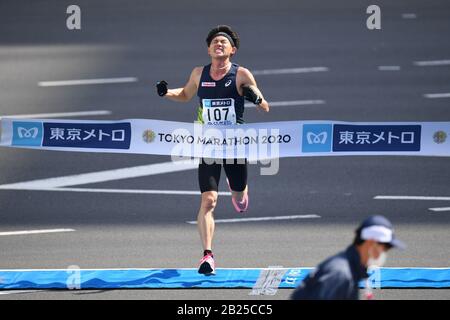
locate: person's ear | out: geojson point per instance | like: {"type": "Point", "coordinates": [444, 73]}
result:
{"type": "Point", "coordinates": [233, 50]}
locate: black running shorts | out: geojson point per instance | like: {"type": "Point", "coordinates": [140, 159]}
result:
{"type": "Point", "coordinates": [209, 173]}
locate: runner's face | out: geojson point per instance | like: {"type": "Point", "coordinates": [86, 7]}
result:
{"type": "Point", "coordinates": [221, 47]}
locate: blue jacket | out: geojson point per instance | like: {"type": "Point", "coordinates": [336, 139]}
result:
{"type": "Point", "coordinates": [336, 278]}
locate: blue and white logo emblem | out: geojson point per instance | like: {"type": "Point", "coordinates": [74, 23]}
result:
{"type": "Point", "coordinates": [317, 138]}
{"type": "Point", "coordinates": [207, 103]}
{"type": "Point", "coordinates": [27, 133]}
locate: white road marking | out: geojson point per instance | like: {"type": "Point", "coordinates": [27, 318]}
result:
{"type": "Point", "coordinates": [6, 292]}
{"type": "Point", "coordinates": [102, 176]}
{"type": "Point", "coordinates": [409, 15]}
{"type": "Point", "coordinates": [389, 68]}
{"type": "Point", "coordinates": [412, 198]}
{"type": "Point", "coordinates": [86, 81]}
{"type": "Point", "coordinates": [129, 191]}
{"type": "Point", "coordinates": [308, 216]}
{"type": "Point", "coordinates": [437, 95]}
{"type": "Point", "coordinates": [439, 209]}
{"type": "Point", "coordinates": [288, 70]}
{"type": "Point", "coordinates": [288, 103]}
{"type": "Point", "coordinates": [432, 63]}
{"type": "Point", "coordinates": [25, 232]}
{"type": "Point", "coordinates": [58, 115]}
{"type": "Point", "coordinates": [61, 183]}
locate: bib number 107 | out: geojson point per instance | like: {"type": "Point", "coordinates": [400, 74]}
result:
{"type": "Point", "coordinates": [218, 114]}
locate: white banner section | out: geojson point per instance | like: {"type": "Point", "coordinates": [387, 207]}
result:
{"type": "Point", "coordinates": [255, 141]}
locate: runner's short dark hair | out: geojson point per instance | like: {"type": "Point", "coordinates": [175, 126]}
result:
{"type": "Point", "coordinates": [226, 29]}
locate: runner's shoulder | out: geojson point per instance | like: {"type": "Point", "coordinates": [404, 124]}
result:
{"type": "Point", "coordinates": [244, 73]}
{"type": "Point", "coordinates": [196, 74]}
{"type": "Point", "coordinates": [197, 71]}
{"type": "Point", "coordinates": [243, 70]}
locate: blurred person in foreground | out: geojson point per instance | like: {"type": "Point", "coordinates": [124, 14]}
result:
{"type": "Point", "coordinates": [338, 277]}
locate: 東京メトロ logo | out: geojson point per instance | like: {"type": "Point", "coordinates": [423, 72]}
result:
{"type": "Point", "coordinates": [380, 137]}
{"type": "Point", "coordinates": [87, 135]}
{"type": "Point", "coordinates": [317, 138]}
{"type": "Point", "coordinates": [27, 133]}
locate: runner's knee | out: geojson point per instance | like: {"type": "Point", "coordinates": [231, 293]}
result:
{"type": "Point", "coordinates": [209, 200]}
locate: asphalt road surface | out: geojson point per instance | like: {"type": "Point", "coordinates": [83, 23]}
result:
{"type": "Point", "coordinates": [350, 73]}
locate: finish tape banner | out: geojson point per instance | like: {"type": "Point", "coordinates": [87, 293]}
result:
{"type": "Point", "coordinates": [257, 278]}
{"type": "Point", "coordinates": [255, 141]}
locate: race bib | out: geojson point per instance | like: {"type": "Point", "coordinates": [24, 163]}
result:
{"type": "Point", "coordinates": [219, 112]}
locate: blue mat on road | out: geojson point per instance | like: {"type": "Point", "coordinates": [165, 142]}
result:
{"type": "Point", "coordinates": [189, 278]}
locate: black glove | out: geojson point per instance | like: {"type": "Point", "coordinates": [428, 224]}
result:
{"type": "Point", "coordinates": [161, 87]}
{"type": "Point", "coordinates": [251, 95]}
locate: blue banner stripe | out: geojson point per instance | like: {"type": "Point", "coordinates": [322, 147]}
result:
{"type": "Point", "coordinates": [189, 278]}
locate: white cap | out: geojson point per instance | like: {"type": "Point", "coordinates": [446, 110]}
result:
{"type": "Point", "coordinates": [377, 233]}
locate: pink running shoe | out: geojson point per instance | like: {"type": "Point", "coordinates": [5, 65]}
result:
{"type": "Point", "coordinates": [241, 206]}
{"type": "Point", "coordinates": [207, 265]}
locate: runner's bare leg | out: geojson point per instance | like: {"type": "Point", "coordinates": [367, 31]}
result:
{"type": "Point", "coordinates": [205, 218]}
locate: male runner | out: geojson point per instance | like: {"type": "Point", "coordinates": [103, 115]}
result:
{"type": "Point", "coordinates": [229, 83]}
